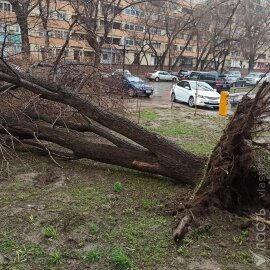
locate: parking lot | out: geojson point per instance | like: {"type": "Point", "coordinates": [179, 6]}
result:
{"type": "Point", "coordinates": [161, 97]}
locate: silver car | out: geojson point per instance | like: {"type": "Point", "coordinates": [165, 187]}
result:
{"type": "Point", "coordinates": [159, 75]}
{"type": "Point", "coordinates": [254, 78]}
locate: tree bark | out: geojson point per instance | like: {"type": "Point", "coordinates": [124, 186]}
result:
{"type": "Point", "coordinates": [172, 160]}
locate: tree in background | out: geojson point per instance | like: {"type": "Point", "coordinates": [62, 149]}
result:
{"type": "Point", "coordinates": [253, 17]}
{"type": "Point", "coordinates": [22, 9]}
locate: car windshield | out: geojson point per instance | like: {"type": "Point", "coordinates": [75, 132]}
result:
{"type": "Point", "coordinates": [201, 86]}
{"type": "Point", "coordinates": [135, 79]}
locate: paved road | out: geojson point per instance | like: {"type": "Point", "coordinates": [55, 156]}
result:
{"type": "Point", "coordinates": [161, 92]}
{"type": "Point", "coordinates": [161, 96]}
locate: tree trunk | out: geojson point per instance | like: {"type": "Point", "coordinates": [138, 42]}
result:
{"type": "Point", "coordinates": [164, 157]}
{"type": "Point", "coordinates": [25, 37]}
{"type": "Point", "coordinates": [230, 182]}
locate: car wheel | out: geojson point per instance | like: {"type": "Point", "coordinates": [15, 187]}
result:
{"type": "Point", "coordinates": [131, 92]}
{"type": "Point", "coordinates": [191, 102]}
{"type": "Point", "coordinates": [157, 79]}
{"type": "Point", "coordinates": [173, 99]}
{"type": "Point", "coordinates": [148, 95]}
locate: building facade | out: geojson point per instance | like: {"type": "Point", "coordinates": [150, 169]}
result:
{"type": "Point", "coordinates": [138, 35]}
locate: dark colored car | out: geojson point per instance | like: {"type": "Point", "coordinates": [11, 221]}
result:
{"type": "Point", "coordinates": [183, 74]}
{"type": "Point", "coordinates": [137, 87]}
{"type": "Point", "coordinates": [216, 80]}
{"type": "Point", "coordinates": [235, 81]}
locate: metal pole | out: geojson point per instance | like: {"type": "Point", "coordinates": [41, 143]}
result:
{"type": "Point", "coordinates": [124, 56]}
{"type": "Point", "coordinates": [196, 95]}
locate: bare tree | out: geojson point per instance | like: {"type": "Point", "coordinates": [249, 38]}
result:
{"type": "Point", "coordinates": [212, 32]}
{"type": "Point", "coordinates": [22, 9]}
{"type": "Point", "coordinates": [254, 20]}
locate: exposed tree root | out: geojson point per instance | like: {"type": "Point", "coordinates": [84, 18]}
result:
{"type": "Point", "coordinates": [231, 181]}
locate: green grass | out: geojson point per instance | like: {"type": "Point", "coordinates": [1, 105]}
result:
{"type": "Point", "coordinates": [50, 232]}
{"type": "Point", "coordinates": [241, 237]}
{"type": "Point", "coordinates": [244, 257]}
{"type": "Point", "coordinates": [196, 235]}
{"type": "Point", "coordinates": [119, 259]}
{"type": "Point", "coordinates": [116, 226]}
{"type": "Point", "coordinates": [179, 129]}
{"type": "Point", "coordinates": [93, 255]}
{"type": "Point", "coordinates": [94, 229]}
{"type": "Point", "coordinates": [117, 187]}
{"type": "Point", "coordinates": [56, 257]}
{"type": "Point", "coordinates": [148, 115]}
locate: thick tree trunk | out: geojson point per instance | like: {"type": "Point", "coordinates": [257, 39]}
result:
{"type": "Point", "coordinates": [25, 37]}
{"type": "Point", "coordinates": [164, 157]}
{"type": "Point", "coordinates": [230, 182]}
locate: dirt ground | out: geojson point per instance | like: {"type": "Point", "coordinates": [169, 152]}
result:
{"type": "Point", "coordinates": [87, 215]}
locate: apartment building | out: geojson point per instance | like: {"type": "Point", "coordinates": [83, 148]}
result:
{"type": "Point", "coordinates": [134, 38]}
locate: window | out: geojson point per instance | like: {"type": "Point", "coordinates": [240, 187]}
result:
{"type": "Point", "coordinates": [194, 75]}
{"type": "Point", "coordinates": [134, 12]}
{"type": "Point", "coordinates": [129, 26]}
{"type": "Point", "coordinates": [105, 56]}
{"type": "Point", "coordinates": [154, 17]}
{"type": "Point", "coordinates": [156, 45]}
{"type": "Point", "coordinates": [129, 42]}
{"type": "Point", "coordinates": [139, 28]}
{"type": "Point", "coordinates": [61, 15]}
{"type": "Point", "coordinates": [139, 43]}
{"type": "Point", "coordinates": [262, 56]}
{"type": "Point", "coordinates": [6, 7]}
{"type": "Point", "coordinates": [41, 32]}
{"type": "Point", "coordinates": [111, 40]}
{"type": "Point", "coordinates": [181, 84]}
{"type": "Point", "coordinates": [2, 27]}
{"type": "Point", "coordinates": [186, 85]}
{"type": "Point", "coordinates": [116, 25]}
{"type": "Point", "coordinates": [155, 31]}
{"type": "Point", "coordinates": [132, 27]}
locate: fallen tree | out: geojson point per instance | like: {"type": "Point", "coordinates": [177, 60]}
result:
{"type": "Point", "coordinates": [52, 119]}
{"type": "Point", "coordinates": [133, 146]}
{"type": "Point", "coordinates": [231, 180]}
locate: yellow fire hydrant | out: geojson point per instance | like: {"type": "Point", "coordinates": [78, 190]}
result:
{"type": "Point", "coordinates": [223, 105]}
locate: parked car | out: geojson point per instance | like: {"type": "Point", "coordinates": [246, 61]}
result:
{"type": "Point", "coordinates": [214, 79]}
{"type": "Point", "coordinates": [187, 90]}
{"type": "Point", "coordinates": [183, 74]}
{"type": "Point", "coordinates": [159, 75]}
{"type": "Point", "coordinates": [233, 72]}
{"type": "Point", "coordinates": [173, 73]}
{"type": "Point", "coordinates": [254, 78]}
{"type": "Point", "coordinates": [120, 71]}
{"type": "Point", "coordinates": [137, 87]}
{"type": "Point", "coordinates": [235, 81]}
{"type": "Point", "coordinates": [265, 78]}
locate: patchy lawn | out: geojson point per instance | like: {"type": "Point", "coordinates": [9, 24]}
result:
{"type": "Point", "coordinates": [93, 216]}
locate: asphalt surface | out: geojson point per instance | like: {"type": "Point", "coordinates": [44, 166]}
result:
{"type": "Point", "coordinates": [162, 97]}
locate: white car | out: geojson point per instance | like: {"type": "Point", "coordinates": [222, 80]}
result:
{"type": "Point", "coordinates": [266, 78]}
{"type": "Point", "coordinates": [254, 78]}
{"type": "Point", "coordinates": [159, 75]}
{"type": "Point", "coordinates": [233, 72]}
{"type": "Point", "coordinates": [195, 92]}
